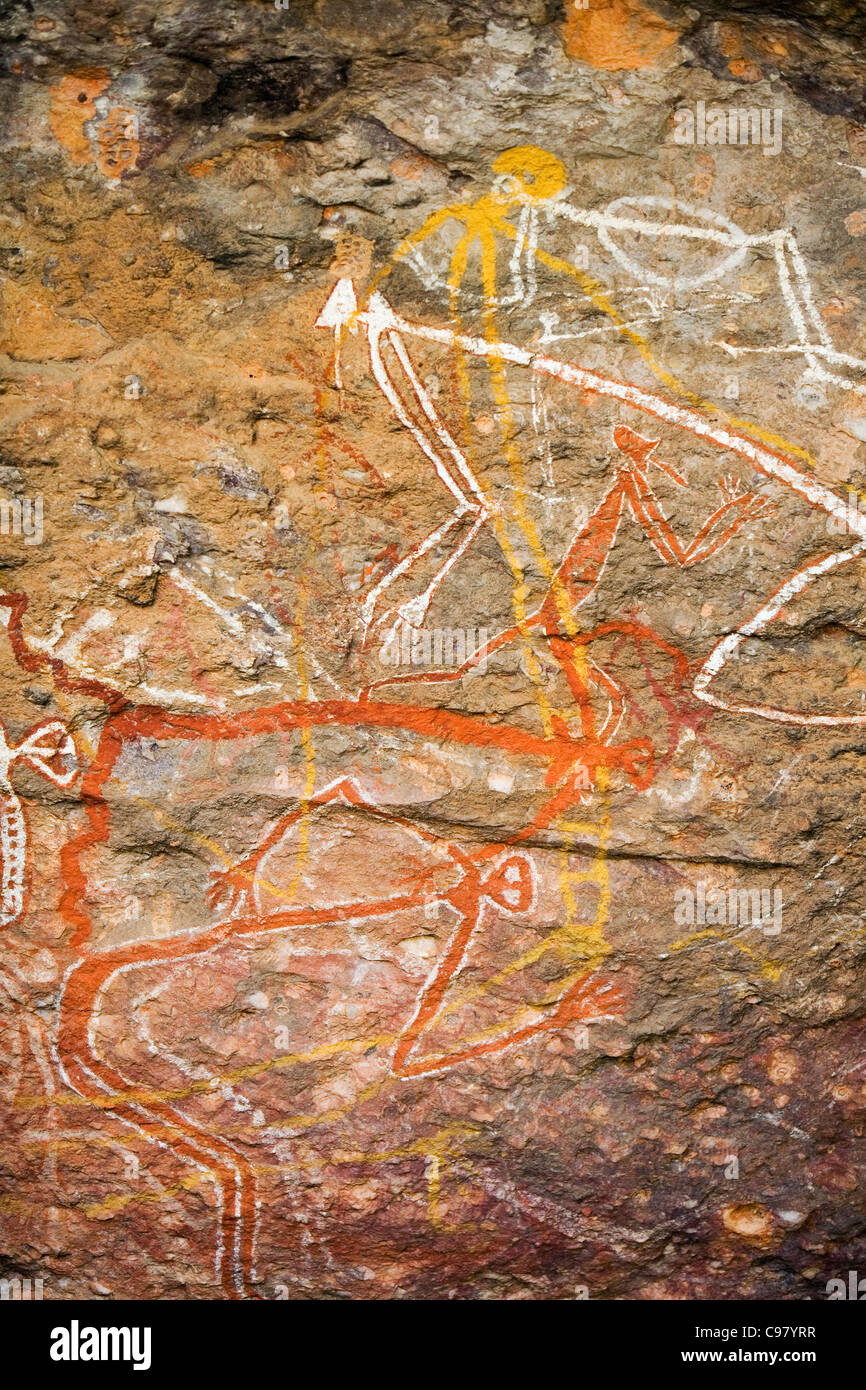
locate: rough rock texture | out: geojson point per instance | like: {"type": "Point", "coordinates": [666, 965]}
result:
{"type": "Point", "coordinates": [432, 797]}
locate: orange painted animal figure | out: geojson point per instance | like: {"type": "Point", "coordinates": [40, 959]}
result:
{"type": "Point", "coordinates": [473, 882]}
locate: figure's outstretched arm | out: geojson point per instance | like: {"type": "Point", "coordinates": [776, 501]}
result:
{"type": "Point", "coordinates": [415, 239]}
{"type": "Point", "coordinates": [230, 888]}
{"type": "Point", "coordinates": [718, 529]}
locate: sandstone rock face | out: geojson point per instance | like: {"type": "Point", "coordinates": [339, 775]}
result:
{"type": "Point", "coordinates": [433, 675]}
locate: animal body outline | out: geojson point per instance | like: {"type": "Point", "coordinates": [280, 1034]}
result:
{"type": "Point", "coordinates": [507, 886]}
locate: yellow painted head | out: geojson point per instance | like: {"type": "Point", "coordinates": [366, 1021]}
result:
{"type": "Point", "coordinates": [531, 174]}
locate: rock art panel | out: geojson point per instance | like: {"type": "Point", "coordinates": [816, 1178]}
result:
{"type": "Point", "coordinates": [434, 690]}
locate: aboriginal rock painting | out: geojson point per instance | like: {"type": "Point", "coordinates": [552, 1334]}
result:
{"type": "Point", "coordinates": [520, 348]}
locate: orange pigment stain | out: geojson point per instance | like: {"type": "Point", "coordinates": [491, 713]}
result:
{"type": "Point", "coordinates": [114, 146]}
{"type": "Point", "coordinates": [618, 35]}
{"type": "Point", "coordinates": [745, 70]}
{"type": "Point", "coordinates": [73, 106]}
{"type": "Point", "coordinates": [406, 168]}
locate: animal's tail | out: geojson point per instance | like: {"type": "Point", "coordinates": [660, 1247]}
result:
{"type": "Point", "coordinates": [154, 1117]}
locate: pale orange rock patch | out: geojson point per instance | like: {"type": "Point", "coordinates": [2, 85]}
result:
{"type": "Point", "coordinates": [837, 307]}
{"type": "Point", "coordinates": [730, 40]}
{"type": "Point", "coordinates": [782, 1066]}
{"type": "Point", "coordinates": [200, 168]}
{"type": "Point", "coordinates": [407, 168]}
{"type": "Point", "coordinates": [618, 35]}
{"type": "Point", "coordinates": [34, 331]}
{"type": "Point", "coordinates": [353, 256]}
{"type": "Point", "coordinates": [750, 1221]}
{"type": "Point", "coordinates": [857, 142]}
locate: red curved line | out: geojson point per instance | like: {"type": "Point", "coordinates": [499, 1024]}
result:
{"type": "Point", "coordinates": [33, 661]}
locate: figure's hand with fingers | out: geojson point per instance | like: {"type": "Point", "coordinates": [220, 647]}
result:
{"type": "Point", "coordinates": [730, 488]}
{"type": "Point", "coordinates": [758, 506]}
{"type": "Point", "coordinates": [751, 505]}
{"type": "Point", "coordinates": [230, 889]}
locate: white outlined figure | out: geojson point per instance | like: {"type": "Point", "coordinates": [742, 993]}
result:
{"type": "Point", "coordinates": [726, 650]}
{"type": "Point", "coordinates": [810, 339]}
{"type": "Point", "coordinates": [45, 745]}
{"type": "Point", "coordinates": [448, 459]}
